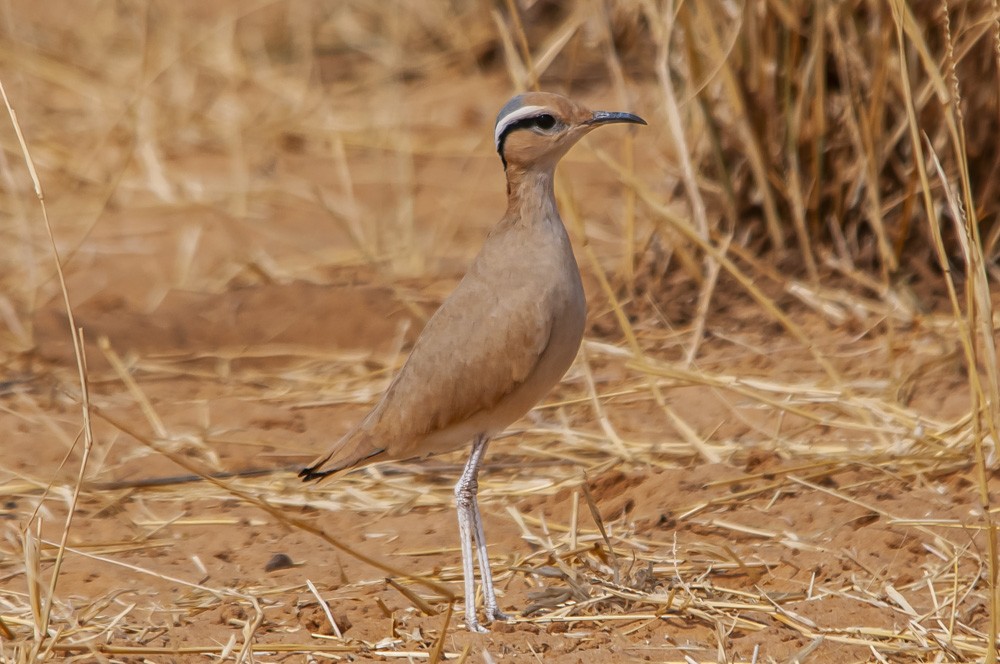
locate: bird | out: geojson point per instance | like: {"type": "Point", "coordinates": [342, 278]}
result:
{"type": "Point", "coordinates": [500, 341]}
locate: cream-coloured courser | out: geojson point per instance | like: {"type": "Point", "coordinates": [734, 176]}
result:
{"type": "Point", "coordinates": [504, 337]}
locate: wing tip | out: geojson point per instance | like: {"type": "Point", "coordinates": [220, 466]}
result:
{"type": "Point", "coordinates": [312, 473]}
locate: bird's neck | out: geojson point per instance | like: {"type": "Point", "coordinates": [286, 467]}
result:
{"type": "Point", "coordinates": [531, 195]}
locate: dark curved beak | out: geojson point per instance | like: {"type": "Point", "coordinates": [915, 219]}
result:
{"type": "Point", "coordinates": [608, 117]}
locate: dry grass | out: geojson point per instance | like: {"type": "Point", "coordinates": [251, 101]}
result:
{"type": "Point", "coordinates": [829, 166]}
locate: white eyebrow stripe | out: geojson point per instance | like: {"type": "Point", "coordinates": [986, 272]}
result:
{"type": "Point", "coordinates": [511, 118]}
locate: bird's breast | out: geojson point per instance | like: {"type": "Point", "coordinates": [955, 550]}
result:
{"type": "Point", "coordinates": [569, 316]}
{"type": "Point", "coordinates": [546, 267]}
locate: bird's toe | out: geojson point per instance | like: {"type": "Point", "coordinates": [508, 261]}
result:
{"type": "Point", "coordinates": [498, 616]}
{"type": "Point", "coordinates": [475, 627]}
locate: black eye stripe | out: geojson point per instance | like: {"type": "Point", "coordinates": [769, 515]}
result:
{"type": "Point", "coordinates": [544, 121]}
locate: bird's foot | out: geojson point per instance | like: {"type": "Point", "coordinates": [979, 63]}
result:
{"type": "Point", "coordinates": [495, 614]}
{"type": "Point", "coordinates": [472, 623]}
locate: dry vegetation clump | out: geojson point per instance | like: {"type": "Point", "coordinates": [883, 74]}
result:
{"type": "Point", "coordinates": [222, 223]}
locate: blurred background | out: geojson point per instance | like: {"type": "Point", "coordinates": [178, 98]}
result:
{"type": "Point", "coordinates": [205, 147]}
{"type": "Point", "coordinates": [257, 205]}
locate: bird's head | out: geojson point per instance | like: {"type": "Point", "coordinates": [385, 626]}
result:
{"type": "Point", "coordinates": [535, 129]}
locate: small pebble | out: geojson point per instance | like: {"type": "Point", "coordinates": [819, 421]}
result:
{"type": "Point", "coordinates": [278, 561]}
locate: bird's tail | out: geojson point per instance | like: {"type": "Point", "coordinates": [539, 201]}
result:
{"type": "Point", "coordinates": [354, 449]}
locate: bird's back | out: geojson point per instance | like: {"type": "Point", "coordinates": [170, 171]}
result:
{"type": "Point", "coordinates": [499, 342]}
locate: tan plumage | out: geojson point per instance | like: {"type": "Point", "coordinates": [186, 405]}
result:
{"type": "Point", "coordinates": [486, 356]}
{"type": "Point", "coordinates": [503, 338]}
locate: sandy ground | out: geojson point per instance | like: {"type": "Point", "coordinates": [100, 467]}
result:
{"type": "Point", "coordinates": [840, 549]}
{"type": "Point", "coordinates": [256, 260]}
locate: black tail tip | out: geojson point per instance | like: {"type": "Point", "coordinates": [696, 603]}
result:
{"type": "Point", "coordinates": [309, 474]}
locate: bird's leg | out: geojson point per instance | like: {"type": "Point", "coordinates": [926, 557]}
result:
{"type": "Point", "coordinates": [465, 504]}
{"type": "Point", "coordinates": [470, 526]}
{"type": "Point", "coordinates": [491, 607]}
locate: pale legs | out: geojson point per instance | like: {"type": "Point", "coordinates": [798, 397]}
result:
{"type": "Point", "coordinates": [470, 527]}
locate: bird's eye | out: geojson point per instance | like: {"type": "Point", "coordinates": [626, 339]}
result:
{"type": "Point", "coordinates": [545, 121]}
